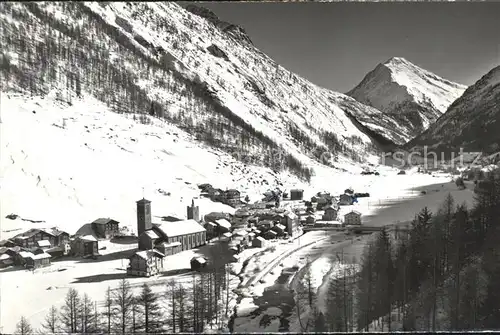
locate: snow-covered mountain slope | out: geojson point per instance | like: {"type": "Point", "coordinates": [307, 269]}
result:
{"type": "Point", "coordinates": [161, 59]}
{"type": "Point", "coordinates": [411, 97]}
{"type": "Point", "coordinates": [68, 165]}
{"type": "Point", "coordinates": [472, 122]}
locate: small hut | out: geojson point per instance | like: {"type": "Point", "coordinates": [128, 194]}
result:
{"type": "Point", "coordinates": [198, 263]}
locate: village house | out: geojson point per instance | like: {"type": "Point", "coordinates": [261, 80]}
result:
{"type": "Point", "coordinates": [270, 235]}
{"type": "Point", "coordinates": [7, 243]}
{"type": "Point", "coordinates": [242, 235]}
{"type": "Point", "coordinates": [7, 256]}
{"type": "Point", "coordinates": [242, 213]}
{"type": "Point", "coordinates": [352, 218]}
{"type": "Point", "coordinates": [279, 229]}
{"type": "Point", "coordinates": [13, 253]}
{"type": "Point", "coordinates": [145, 263]}
{"type": "Point", "coordinates": [259, 205]}
{"type": "Point", "coordinates": [252, 221]}
{"type": "Point", "coordinates": [211, 229]}
{"type": "Point", "coordinates": [6, 260]}
{"type": "Point", "coordinates": [85, 246]}
{"type": "Point", "coordinates": [345, 200]}
{"type": "Point", "coordinates": [292, 223]}
{"type": "Point", "coordinates": [223, 226]}
{"type": "Point", "coordinates": [214, 216]}
{"type": "Point", "coordinates": [215, 194]}
{"type": "Point", "coordinates": [193, 212]}
{"type": "Point", "coordinates": [265, 225]}
{"type": "Point", "coordinates": [188, 232]}
{"type": "Point", "coordinates": [234, 247]}
{"type": "Point", "coordinates": [296, 194]}
{"type": "Point", "coordinates": [227, 236]}
{"type": "Point", "coordinates": [330, 214]}
{"type": "Point", "coordinates": [310, 220]}
{"type": "Point", "coordinates": [259, 242]}
{"type": "Point", "coordinates": [59, 251]}
{"type": "Point", "coordinates": [232, 197]}
{"type": "Point", "coordinates": [322, 202]}
{"type": "Point", "coordinates": [349, 191]}
{"type": "Point", "coordinates": [39, 260]}
{"type": "Point", "coordinates": [30, 238]}
{"type": "Point", "coordinates": [105, 228]}
{"type": "Point", "coordinates": [22, 257]}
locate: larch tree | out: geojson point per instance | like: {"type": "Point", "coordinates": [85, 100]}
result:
{"type": "Point", "coordinates": [71, 312]}
{"type": "Point", "coordinates": [151, 315]}
{"type": "Point", "coordinates": [23, 327]}
{"type": "Point", "coordinates": [108, 309]}
{"type": "Point", "coordinates": [124, 303]}
{"type": "Point", "coordinates": [51, 323]}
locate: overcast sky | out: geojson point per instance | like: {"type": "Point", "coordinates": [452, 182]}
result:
{"type": "Point", "coordinates": [335, 45]}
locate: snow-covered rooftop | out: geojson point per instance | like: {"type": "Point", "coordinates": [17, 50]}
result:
{"type": "Point", "coordinates": [172, 229]}
{"type": "Point", "coordinates": [151, 234]}
{"type": "Point", "coordinates": [43, 243]}
{"type": "Point", "coordinates": [223, 223]}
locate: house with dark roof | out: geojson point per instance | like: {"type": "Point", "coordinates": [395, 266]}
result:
{"type": "Point", "coordinates": [198, 263]}
{"type": "Point", "coordinates": [292, 223]}
{"type": "Point", "coordinates": [232, 197]}
{"type": "Point", "coordinates": [330, 214]}
{"type": "Point", "coordinates": [105, 227]}
{"type": "Point", "coordinates": [346, 200]}
{"type": "Point", "coordinates": [30, 238]}
{"type": "Point", "coordinates": [145, 263]}
{"type": "Point", "coordinates": [352, 218]}
{"type": "Point", "coordinates": [85, 246]}
{"type": "Point", "coordinates": [38, 260]}
{"type": "Point", "coordinates": [296, 194]}
{"type": "Point", "coordinates": [223, 225]}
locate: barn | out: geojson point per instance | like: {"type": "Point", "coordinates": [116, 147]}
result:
{"type": "Point", "coordinates": [85, 246]}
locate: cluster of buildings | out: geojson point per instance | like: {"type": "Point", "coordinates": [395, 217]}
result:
{"type": "Point", "coordinates": [37, 247]}
{"type": "Point", "coordinates": [231, 197]}
{"type": "Point", "coordinates": [251, 225]}
{"type": "Point", "coordinates": [328, 207]}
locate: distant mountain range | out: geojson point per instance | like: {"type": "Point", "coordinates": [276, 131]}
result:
{"type": "Point", "coordinates": [410, 97]}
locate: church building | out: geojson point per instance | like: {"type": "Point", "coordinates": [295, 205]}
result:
{"type": "Point", "coordinates": [176, 236]}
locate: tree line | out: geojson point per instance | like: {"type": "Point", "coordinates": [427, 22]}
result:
{"type": "Point", "coordinates": [187, 306]}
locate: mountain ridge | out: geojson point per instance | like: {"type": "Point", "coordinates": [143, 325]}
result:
{"type": "Point", "coordinates": [410, 95]}
{"type": "Point", "coordinates": [471, 122]}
